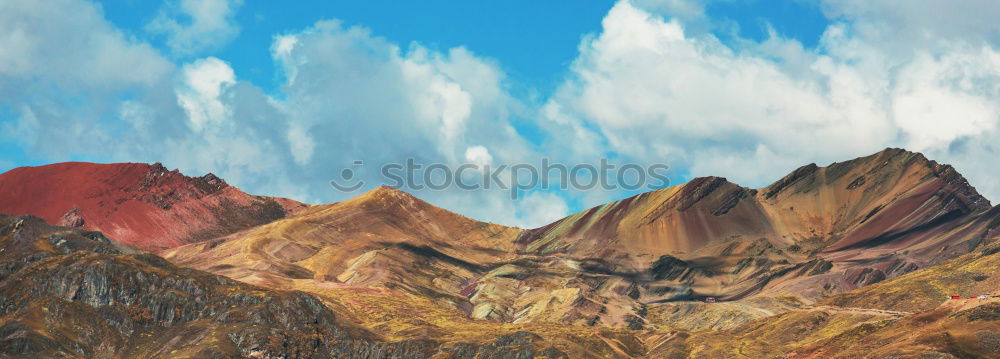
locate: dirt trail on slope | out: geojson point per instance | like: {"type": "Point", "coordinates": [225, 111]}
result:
{"type": "Point", "coordinates": [831, 309]}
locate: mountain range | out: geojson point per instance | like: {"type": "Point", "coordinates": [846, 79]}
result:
{"type": "Point", "coordinates": [854, 259]}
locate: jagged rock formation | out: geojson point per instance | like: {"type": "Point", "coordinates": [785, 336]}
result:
{"type": "Point", "coordinates": [143, 205]}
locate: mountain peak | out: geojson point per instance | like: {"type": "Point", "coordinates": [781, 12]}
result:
{"type": "Point", "coordinates": [800, 174]}
{"type": "Point", "coordinates": [146, 205]}
{"type": "Point", "coordinates": [896, 151]}
{"type": "Point", "coordinates": [394, 202]}
{"type": "Point", "coordinates": [888, 156]}
{"type": "Point", "coordinates": [897, 160]}
{"type": "Point", "coordinates": [386, 194]}
{"type": "Point", "coordinates": [384, 189]}
{"type": "Point", "coordinates": [701, 187]}
{"type": "Point", "coordinates": [888, 170]}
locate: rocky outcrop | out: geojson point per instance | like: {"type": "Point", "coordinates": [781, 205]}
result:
{"type": "Point", "coordinates": [697, 189]}
{"type": "Point", "coordinates": [73, 218]}
{"type": "Point", "coordinates": [801, 174]}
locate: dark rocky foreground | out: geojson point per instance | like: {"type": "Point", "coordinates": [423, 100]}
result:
{"type": "Point", "coordinates": [69, 293]}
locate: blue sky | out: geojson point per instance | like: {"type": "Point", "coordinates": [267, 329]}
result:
{"type": "Point", "coordinates": [278, 98]}
{"type": "Point", "coordinates": [533, 41]}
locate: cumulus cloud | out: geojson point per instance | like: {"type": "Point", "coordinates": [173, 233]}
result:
{"type": "Point", "coordinates": [478, 155]}
{"type": "Point", "coordinates": [202, 83]}
{"type": "Point", "coordinates": [415, 102]}
{"type": "Point", "coordinates": [192, 26]}
{"type": "Point", "coordinates": [61, 71]}
{"type": "Point", "coordinates": [69, 42]}
{"type": "Point", "coordinates": [902, 27]}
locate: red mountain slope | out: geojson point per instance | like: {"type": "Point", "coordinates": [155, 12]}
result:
{"type": "Point", "coordinates": [139, 204]}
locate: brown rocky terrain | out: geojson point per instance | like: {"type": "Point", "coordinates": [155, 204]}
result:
{"type": "Point", "coordinates": [75, 294]}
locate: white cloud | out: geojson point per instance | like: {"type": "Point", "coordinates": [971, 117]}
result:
{"type": "Point", "coordinates": [62, 68]}
{"type": "Point", "coordinates": [540, 208]}
{"type": "Point", "coordinates": [192, 26]}
{"type": "Point", "coordinates": [939, 100]}
{"type": "Point", "coordinates": [302, 144]}
{"type": "Point", "coordinates": [230, 128]}
{"type": "Point", "coordinates": [417, 103]}
{"type": "Point", "coordinates": [283, 45]}
{"type": "Point", "coordinates": [69, 42]}
{"type": "Point", "coordinates": [478, 155]}
{"type": "Point", "coordinates": [901, 27]}
{"type": "Point", "coordinates": [199, 93]}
